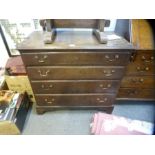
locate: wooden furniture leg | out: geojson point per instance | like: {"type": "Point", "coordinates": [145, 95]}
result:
{"type": "Point", "coordinates": [99, 33]}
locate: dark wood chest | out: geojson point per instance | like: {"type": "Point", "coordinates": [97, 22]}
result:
{"type": "Point", "coordinates": [139, 80]}
{"type": "Point", "coordinates": [75, 71]}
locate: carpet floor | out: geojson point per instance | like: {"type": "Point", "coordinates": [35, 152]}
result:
{"type": "Point", "coordinates": [77, 122]}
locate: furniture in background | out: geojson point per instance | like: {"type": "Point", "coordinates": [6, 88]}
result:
{"type": "Point", "coordinates": [139, 80]}
{"type": "Point", "coordinates": [50, 25]}
{"type": "Point", "coordinates": [75, 71]}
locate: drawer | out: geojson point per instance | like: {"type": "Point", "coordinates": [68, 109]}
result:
{"type": "Point", "coordinates": [75, 73]}
{"type": "Point", "coordinates": [138, 81]}
{"type": "Point", "coordinates": [75, 100]}
{"type": "Point", "coordinates": [76, 58]}
{"type": "Point", "coordinates": [145, 57]}
{"type": "Point", "coordinates": [136, 94]}
{"type": "Point", "coordinates": [75, 86]}
{"type": "Point", "coordinates": [140, 69]}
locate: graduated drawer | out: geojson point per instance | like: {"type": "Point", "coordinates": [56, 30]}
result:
{"type": "Point", "coordinates": [138, 81]}
{"type": "Point", "coordinates": [136, 94]}
{"type": "Point", "coordinates": [75, 73]}
{"type": "Point", "coordinates": [75, 100]}
{"type": "Point", "coordinates": [75, 86]}
{"type": "Point", "coordinates": [76, 58]}
{"type": "Point", "coordinates": [145, 57]}
{"type": "Point", "coordinates": [140, 69]}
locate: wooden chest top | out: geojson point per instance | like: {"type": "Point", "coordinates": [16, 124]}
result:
{"type": "Point", "coordinates": [73, 40]}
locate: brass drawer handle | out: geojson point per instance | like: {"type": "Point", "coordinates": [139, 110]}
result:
{"type": "Point", "coordinates": [132, 92]}
{"type": "Point", "coordinates": [46, 87]}
{"type": "Point", "coordinates": [112, 71]}
{"type": "Point", "coordinates": [43, 74]}
{"type": "Point", "coordinates": [142, 69]}
{"type": "Point", "coordinates": [116, 56]}
{"type": "Point", "coordinates": [148, 61]}
{"type": "Point", "coordinates": [41, 60]}
{"type": "Point", "coordinates": [108, 73]}
{"type": "Point", "coordinates": [101, 100]}
{"type": "Point", "coordinates": [102, 86]}
{"type": "Point", "coordinates": [49, 101]}
{"type": "Point", "coordinates": [111, 60]}
{"type": "Point", "coordinates": [141, 80]}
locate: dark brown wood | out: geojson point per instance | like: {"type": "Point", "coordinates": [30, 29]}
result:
{"type": "Point", "coordinates": [145, 57]}
{"type": "Point", "coordinates": [50, 25]}
{"type": "Point", "coordinates": [72, 23]}
{"type": "Point", "coordinates": [136, 94]}
{"type": "Point", "coordinates": [99, 32]}
{"type": "Point", "coordinates": [72, 40]}
{"type": "Point", "coordinates": [73, 99]}
{"type": "Point", "coordinates": [75, 73]}
{"type": "Point", "coordinates": [49, 33]}
{"type": "Point", "coordinates": [77, 58]}
{"type": "Point", "coordinates": [75, 87]}
{"type": "Point", "coordinates": [43, 109]}
{"type": "Point", "coordinates": [143, 64]}
{"type": "Point", "coordinates": [140, 74]}
{"type": "Point", "coordinates": [75, 23]}
{"type": "Point", "coordinates": [140, 69]}
{"type": "Point", "coordinates": [138, 82]}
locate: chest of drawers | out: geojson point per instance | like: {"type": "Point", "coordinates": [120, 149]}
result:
{"type": "Point", "coordinates": [75, 72]}
{"type": "Point", "coordinates": [139, 80]}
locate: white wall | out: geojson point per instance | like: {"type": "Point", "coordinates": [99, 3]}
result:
{"type": "Point", "coordinates": [112, 25]}
{"type": "Point", "coordinates": [3, 53]}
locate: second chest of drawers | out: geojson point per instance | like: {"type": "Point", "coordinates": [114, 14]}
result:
{"type": "Point", "coordinates": [139, 81]}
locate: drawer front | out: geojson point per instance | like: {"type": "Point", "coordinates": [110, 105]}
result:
{"type": "Point", "coordinates": [76, 58]}
{"type": "Point", "coordinates": [79, 86]}
{"type": "Point", "coordinates": [75, 73]}
{"type": "Point", "coordinates": [140, 69]}
{"type": "Point", "coordinates": [145, 57]}
{"type": "Point", "coordinates": [75, 100]}
{"type": "Point", "coordinates": [138, 81]}
{"type": "Point", "coordinates": [132, 93]}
